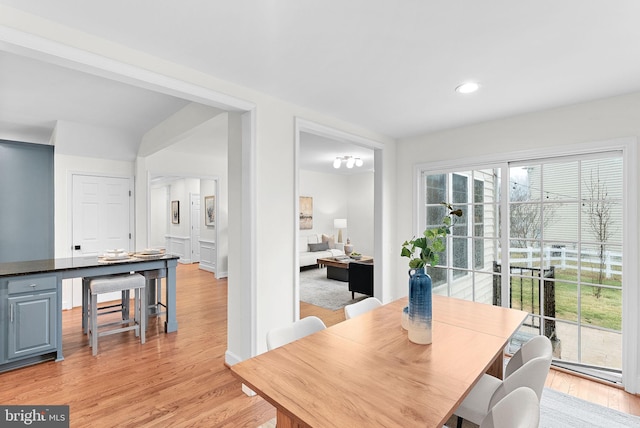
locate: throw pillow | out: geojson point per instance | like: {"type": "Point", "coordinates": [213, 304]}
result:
{"type": "Point", "coordinates": [329, 240]}
{"type": "Point", "coordinates": [323, 246]}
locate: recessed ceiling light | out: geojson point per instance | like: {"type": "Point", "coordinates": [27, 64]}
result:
{"type": "Point", "coordinates": [467, 87]}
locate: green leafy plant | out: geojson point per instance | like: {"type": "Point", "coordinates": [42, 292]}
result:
{"type": "Point", "coordinates": [431, 242]}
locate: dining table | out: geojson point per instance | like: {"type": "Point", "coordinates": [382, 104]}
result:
{"type": "Point", "coordinates": [364, 372]}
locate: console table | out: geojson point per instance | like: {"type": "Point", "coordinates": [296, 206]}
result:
{"type": "Point", "coordinates": [31, 302]}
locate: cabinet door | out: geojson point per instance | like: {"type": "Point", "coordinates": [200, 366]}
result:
{"type": "Point", "coordinates": [32, 324]}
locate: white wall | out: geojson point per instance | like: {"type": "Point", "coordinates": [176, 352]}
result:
{"type": "Point", "coordinates": [179, 190]}
{"type": "Point", "coordinates": [330, 194]}
{"type": "Point", "coordinates": [361, 212]}
{"type": "Point", "coordinates": [158, 216]}
{"type": "Point", "coordinates": [341, 196]}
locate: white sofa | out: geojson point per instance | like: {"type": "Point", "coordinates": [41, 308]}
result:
{"type": "Point", "coordinates": [311, 249]}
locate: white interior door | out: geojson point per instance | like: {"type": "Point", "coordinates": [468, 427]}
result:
{"type": "Point", "coordinates": [195, 228]}
{"type": "Point", "coordinates": [101, 220]}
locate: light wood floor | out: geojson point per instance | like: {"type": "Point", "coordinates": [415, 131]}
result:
{"type": "Point", "coordinates": [179, 379]}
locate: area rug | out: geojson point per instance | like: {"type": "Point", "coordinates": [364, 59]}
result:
{"type": "Point", "coordinates": [559, 410]}
{"type": "Point", "coordinates": [317, 290]}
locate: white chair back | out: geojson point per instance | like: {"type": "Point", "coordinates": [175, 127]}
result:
{"type": "Point", "coordinates": [359, 308]}
{"type": "Point", "coordinates": [537, 346]}
{"type": "Point", "coordinates": [532, 374]}
{"type": "Point", "coordinates": [282, 335]}
{"type": "Point", "coordinates": [519, 409]}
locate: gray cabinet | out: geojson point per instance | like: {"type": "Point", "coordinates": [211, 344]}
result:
{"type": "Point", "coordinates": [31, 322]}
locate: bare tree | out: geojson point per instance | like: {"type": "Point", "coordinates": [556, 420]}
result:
{"type": "Point", "coordinates": [598, 210]}
{"type": "Point", "coordinates": [526, 220]}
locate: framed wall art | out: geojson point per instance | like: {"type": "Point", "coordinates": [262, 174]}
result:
{"type": "Point", "coordinates": [175, 212]}
{"type": "Point", "coordinates": [306, 212]}
{"type": "Point", "coordinates": [209, 210]}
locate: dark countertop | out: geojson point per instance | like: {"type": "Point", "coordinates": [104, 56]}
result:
{"type": "Point", "coordinates": [51, 265]}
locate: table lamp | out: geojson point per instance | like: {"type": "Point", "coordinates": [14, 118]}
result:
{"type": "Point", "coordinates": [340, 223]}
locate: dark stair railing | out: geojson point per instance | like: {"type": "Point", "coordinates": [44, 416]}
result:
{"type": "Point", "coordinates": [530, 279]}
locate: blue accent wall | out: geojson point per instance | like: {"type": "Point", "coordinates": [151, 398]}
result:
{"type": "Point", "coordinates": [26, 201]}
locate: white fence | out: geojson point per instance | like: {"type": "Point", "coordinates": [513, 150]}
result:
{"type": "Point", "coordinates": [564, 258]}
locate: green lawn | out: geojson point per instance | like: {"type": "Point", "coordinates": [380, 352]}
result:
{"type": "Point", "coordinates": [605, 311]}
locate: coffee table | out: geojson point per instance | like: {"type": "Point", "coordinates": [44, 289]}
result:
{"type": "Point", "coordinates": [339, 269]}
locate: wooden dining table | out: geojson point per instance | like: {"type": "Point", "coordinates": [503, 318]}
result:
{"type": "Point", "coordinates": [364, 372]}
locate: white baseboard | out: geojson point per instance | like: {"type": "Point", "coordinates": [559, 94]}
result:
{"type": "Point", "coordinates": [230, 358]}
{"type": "Point", "coordinates": [208, 268]}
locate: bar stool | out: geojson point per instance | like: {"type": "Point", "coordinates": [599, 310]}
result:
{"type": "Point", "coordinates": [153, 279]}
{"type": "Point", "coordinates": [108, 284]}
{"type": "Point", "coordinates": [122, 306]}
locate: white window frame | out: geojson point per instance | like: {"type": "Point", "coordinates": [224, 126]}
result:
{"type": "Point", "coordinates": [630, 270]}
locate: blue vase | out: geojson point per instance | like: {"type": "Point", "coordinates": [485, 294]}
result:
{"type": "Point", "coordinates": [420, 307]}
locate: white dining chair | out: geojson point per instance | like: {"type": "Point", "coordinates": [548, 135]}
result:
{"type": "Point", "coordinates": [537, 346]}
{"type": "Point", "coordinates": [359, 308]}
{"type": "Point", "coordinates": [518, 409]}
{"type": "Point", "coordinates": [282, 335]}
{"type": "Point", "coordinates": [528, 367]}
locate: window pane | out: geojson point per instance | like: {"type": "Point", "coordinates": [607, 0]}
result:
{"type": "Point", "coordinates": [478, 253]}
{"type": "Point", "coordinates": [567, 347]}
{"type": "Point", "coordinates": [560, 221]}
{"type": "Point", "coordinates": [435, 214]}
{"type": "Point", "coordinates": [601, 348]}
{"type": "Point", "coordinates": [602, 221]}
{"type": "Point", "coordinates": [460, 252]}
{"type": "Point", "coordinates": [478, 191]}
{"type": "Point", "coordinates": [460, 190]}
{"type": "Point", "coordinates": [438, 279]}
{"type": "Point", "coordinates": [602, 178]}
{"type": "Point", "coordinates": [484, 283]}
{"type": "Point", "coordinates": [436, 188]}
{"type": "Point", "coordinates": [559, 181]}
{"type": "Point", "coordinates": [525, 222]}
{"type": "Point", "coordinates": [524, 183]}
{"type": "Point", "coordinates": [490, 179]}
{"type": "Point", "coordinates": [601, 264]}
{"type": "Point", "coordinates": [566, 297]}
{"type": "Point", "coordinates": [601, 307]}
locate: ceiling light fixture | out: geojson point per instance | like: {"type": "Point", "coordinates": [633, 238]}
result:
{"type": "Point", "coordinates": [349, 161]}
{"type": "Point", "coordinates": [467, 87]}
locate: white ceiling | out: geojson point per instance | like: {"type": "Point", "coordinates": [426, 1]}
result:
{"type": "Point", "coordinates": [36, 94]}
{"type": "Point", "coordinates": [389, 66]}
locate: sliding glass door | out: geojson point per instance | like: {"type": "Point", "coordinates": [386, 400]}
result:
{"type": "Point", "coordinates": [544, 236]}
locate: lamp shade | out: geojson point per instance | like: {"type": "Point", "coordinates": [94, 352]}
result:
{"type": "Point", "coordinates": [340, 223]}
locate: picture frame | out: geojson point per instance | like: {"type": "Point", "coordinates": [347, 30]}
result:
{"type": "Point", "coordinates": [306, 212]}
{"type": "Point", "coordinates": [175, 212]}
{"type": "Point", "coordinates": [210, 211]}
